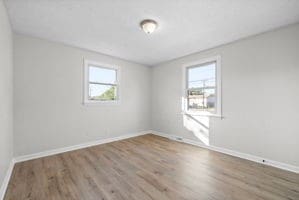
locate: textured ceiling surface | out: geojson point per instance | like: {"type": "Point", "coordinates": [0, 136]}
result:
{"type": "Point", "coordinates": [112, 26]}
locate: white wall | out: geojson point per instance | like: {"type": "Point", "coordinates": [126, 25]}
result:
{"type": "Point", "coordinates": [6, 98]}
{"type": "Point", "coordinates": [48, 91]}
{"type": "Point", "coordinates": [260, 85]}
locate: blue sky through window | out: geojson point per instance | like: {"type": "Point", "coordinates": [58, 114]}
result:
{"type": "Point", "coordinates": [206, 74]}
{"type": "Point", "coordinates": [100, 75]}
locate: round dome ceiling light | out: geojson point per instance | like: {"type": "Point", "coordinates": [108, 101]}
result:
{"type": "Point", "coordinates": [148, 25]}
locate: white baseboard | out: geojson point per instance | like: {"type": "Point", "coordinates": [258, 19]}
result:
{"type": "Point", "coordinates": [170, 136]}
{"type": "Point", "coordinates": [57, 151]}
{"type": "Point", "coordinates": [76, 147]}
{"type": "Point", "coordinates": [257, 159]}
{"type": "Point", "coordinates": [6, 179]}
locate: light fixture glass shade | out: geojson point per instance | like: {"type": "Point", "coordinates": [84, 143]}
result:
{"type": "Point", "coordinates": [148, 26]}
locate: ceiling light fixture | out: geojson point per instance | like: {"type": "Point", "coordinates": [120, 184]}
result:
{"type": "Point", "coordinates": [148, 25]}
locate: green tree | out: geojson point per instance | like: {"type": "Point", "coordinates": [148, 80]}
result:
{"type": "Point", "coordinates": [108, 95]}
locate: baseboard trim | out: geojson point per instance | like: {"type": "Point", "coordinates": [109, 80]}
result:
{"type": "Point", "coordinates": [76, 147]}
{"type": "Point", "coordinates": [6, 179]}
{"type": "Point", "coordinates": [253, 158]}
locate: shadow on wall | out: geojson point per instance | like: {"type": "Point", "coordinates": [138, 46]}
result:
{"type": "Point", "coordinates": [199, 126]}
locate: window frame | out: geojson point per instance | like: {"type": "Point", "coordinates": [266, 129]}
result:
{"type": "Point", "coordinates": [218, 106]}
{"type": "Point", "coordinates": [86, 100]}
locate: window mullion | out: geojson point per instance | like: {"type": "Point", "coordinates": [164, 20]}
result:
{"type": "Point", "coordinates": [97, 83]}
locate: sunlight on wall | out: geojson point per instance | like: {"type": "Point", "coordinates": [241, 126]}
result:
{"type": "Point", "coordinates": [198, 125]}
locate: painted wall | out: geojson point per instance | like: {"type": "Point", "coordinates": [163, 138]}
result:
{"type": "Point", "coordinates": [259, 86]}
{"type": "Point", "coordinates": [48, 91]}
{"type": "Point", "coordinates": [260, 97]}
{"type": "Point", "coordinates": [6, 94]}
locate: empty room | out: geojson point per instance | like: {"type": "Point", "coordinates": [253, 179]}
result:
{"type": "Point", "coordinates": [149, 100]}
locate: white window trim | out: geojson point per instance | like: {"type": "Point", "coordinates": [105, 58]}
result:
{"type": "Point", "coordinates": [86, 100]}
{"type": "Point", "coordinates": [218, 113]}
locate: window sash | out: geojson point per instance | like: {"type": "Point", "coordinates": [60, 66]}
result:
{"type": "Point", "coordinates": [106, 84]}
{"type": "Point", "coordinates": [203, 97]}
{"type": "Point", "coordinates": [88, 100]}
{"type": "Point", "coordinates": [201, 88]}
{"type": "Point", "coordinates": [213, 96]}
{"type": "Point", "coordinates": [98, 83]}
{"type": "Point", "coordinates": [104, 100]}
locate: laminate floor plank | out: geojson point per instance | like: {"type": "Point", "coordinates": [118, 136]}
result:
{"type": "Point", "coordinates": [148, 167]}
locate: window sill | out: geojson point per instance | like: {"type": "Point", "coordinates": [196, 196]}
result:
{"type": "Point", "coordinates": [202, 114]}
{"type": "Point", "coordinates": [101, 103]}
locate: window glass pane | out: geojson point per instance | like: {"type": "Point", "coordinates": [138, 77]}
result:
{"type": "Point", "coordinates": [102, 92]}
{"type": "Point", "coordinates": [210, 100]}
{"type": "Point", "coordinates": [201, 76]}
{"type": "Point", "coordinates": [203, 99]}
{"type": "Point", "coordinates": [102, 75]}
{"type": "Point", "coordinates": [195, 100]}
{"type": "Point", "coordinates": [202, 88]}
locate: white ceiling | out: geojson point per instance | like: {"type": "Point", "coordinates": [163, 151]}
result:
{"type": "Point", "coordinates": [185, 26]}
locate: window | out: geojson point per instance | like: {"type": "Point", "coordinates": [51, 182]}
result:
{"type": "Point", "coordinates": [203, 87]}
{"type": "Point", "coordinates": [101, 83]}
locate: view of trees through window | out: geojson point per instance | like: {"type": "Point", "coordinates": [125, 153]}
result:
{"type": "Point", "coordinates": [201, 90]}
{"type": "Point", "coordinates": [102, 84]}
{"type": "Point", "coordinates": [108, 94]}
